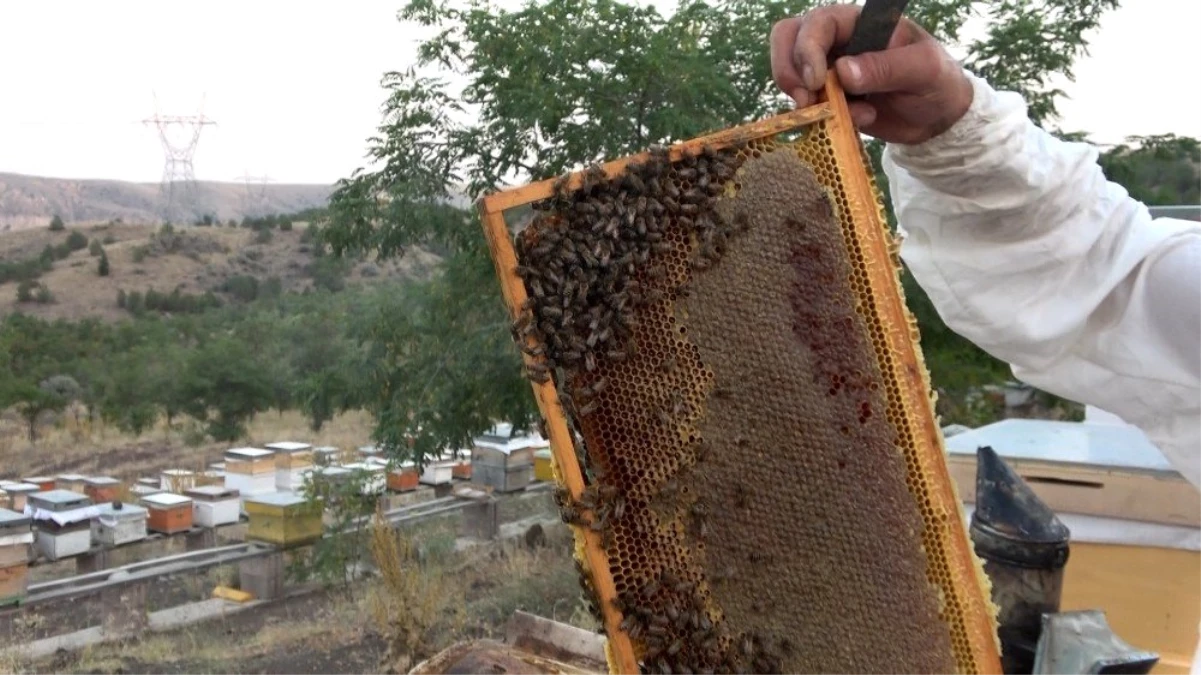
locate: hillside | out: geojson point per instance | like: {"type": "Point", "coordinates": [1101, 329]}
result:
{"type": "Point", "coordinates": [28, 201]}
{"type": "Point", "coordinates": [193, 259]}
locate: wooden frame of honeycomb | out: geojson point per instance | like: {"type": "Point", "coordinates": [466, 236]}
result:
{"type": "Point", "coordinates": [679, 533]}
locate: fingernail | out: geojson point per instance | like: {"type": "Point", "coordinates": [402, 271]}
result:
{"type": "Point", "coordinates": [809, 77]}
{"type": "Point", "coordinates": [854, 72]}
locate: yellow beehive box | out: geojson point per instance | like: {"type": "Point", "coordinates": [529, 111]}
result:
{"type": "Point", "coordinates": [543, 469]}
{"type": "Point", "coordinates": [249, 461]}
{"type": "Point", "coordinates": [283, 518]}
{"type": "Point", "coordinates": [290, 455]}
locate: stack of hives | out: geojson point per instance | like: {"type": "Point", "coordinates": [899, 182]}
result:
{"type": "Point", "coordinates": [293, 462]}
{"type": "Point", "coordinates": [761, 485]}
{"type": "Point", "coordinates": [62, 520]}
{"type": "Point", "coordinates": [250, 471]}
{"type": "Point", "coordinates": [503, 460]}
{"type": "Point", "coordinates": [15, 540]}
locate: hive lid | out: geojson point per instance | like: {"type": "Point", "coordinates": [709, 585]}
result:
{"type": "Point", "coordinates": [246, 453]}
{"type": "Point", "coordinates": [12, 518]}
{"type": "Point", "coordinates": [37, 479]}
{"type": "Point", "coordinates": [363, 466]}
{"type": "Point", "coordinates": [127, 510]}
{"type": "Point", "coordinates": [178, 472]}
{"type": "Point", "coordinates": [101, 480]}
{"type": "Point", "coordinates": [1064, 442]}
{"type": "Point", "coordinates": [70, 477]}
{"type": "Point", "coordinates": [217, 466]}
{"type": "Point", "coordinates": [59, 497]}
{"type": "Point", "coordinates": [288, 446]}
{"type": "Point", "coordinates": [211, 492]}
{"type": "Point", "coordinates": [165, 499]}
{"type": "Point", "coordinates": [332, 471]}
{"type": "Point", "coordinates": [278, 499]}
{"type": "Point", "coordinates": [369, 450]}
{"type": "Point", "coordinates": [326, 450]}
{"type": "Point", "coordinates": [24, 488]}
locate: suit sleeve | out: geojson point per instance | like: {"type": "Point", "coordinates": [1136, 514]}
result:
{"type": "Point", "coordinates": [1028, 251]}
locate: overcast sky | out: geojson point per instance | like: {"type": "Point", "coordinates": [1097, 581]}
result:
{"type": "Point", "coordinates": [294, 86]}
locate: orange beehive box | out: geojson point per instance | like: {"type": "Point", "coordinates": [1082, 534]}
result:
{"type": "Point", "coordinates": [44, 483]}
{"type": "Point", "coordinates": [404, 478]}
{"type": "Point", "coordinates": [169, 513]}
{"type": "Point", "coordinates": [101, 488]}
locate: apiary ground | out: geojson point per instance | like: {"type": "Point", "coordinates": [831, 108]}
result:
{"type": "Point", "coordinates": [811, 530]}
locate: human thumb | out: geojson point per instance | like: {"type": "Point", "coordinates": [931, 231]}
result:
{"type": "Point", "coordinates": [905, 68]}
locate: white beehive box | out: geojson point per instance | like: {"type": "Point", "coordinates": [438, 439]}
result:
{"type": "Point", "coordinates": [293, 461]}
{"type": "Point", "coordinates": [438, 472]}
{"type": "Point", "coordinates": [375, 480]}
{"type": "Point", "coordinates": [62, 520]}
{"type": "Point", "coordinates": [119, 523]}
{"type": "Point", "coordinates": [214, 506]}
{"type": "Point", "coordinates": [177, 480]}
{"type": "Point", "coordinates": [73, 482]}
{"type": "Point", "coordinates": [249, 461]}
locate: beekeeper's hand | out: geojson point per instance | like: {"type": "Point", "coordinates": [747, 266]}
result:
{"type": "Point", "coordinates": [914, 89]}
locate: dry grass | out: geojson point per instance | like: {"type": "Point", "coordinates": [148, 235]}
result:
{"type": "Point", "coordinates": [424, 598]}
{"type": "Point", "coordinates": [214, 255]}
{"type": "Point", "coordinates": [96, 448]}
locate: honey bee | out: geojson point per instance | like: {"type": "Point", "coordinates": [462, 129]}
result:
{"type": "Point", "coordinates": [589, 408]}
{"type": "Point", "coordinates": [686, 173]}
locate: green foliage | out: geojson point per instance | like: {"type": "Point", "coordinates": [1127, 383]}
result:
{"type": "Point", "coordinates": [109, 239]}
{"type": "Point", "coordinates": [57, 224]}
{"type": "Point", "coordinates": [329, 273]}
{"type": "Point", "coordinates": [514, 93]}
{"type": "Point", "coordinates": [140, 253]}
{"type": "Point", "coordinates": [227, 385]}
{"type": "Point", "coordinates": [348, 506]}
{"type": "Point", "coordinates": [285, 225]}
{"type": "Point", "coordinates": [242, 287]}
{"type": "Point", "coordinates": [102, 266]}
{"type": "Point", "coordinates": [43, 296]}
{"type": "Point", "coordinates": [95, 248]}
{"type": "Point", "coordinates": [263, 236]}
{"type": "Point", "coordinates": [1157, 170]}
{"type": "Point", "coordinates": [76, 241]}
{"type": "Point", "coordinates": [23, 270]}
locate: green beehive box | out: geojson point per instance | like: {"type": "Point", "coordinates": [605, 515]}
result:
{"type": "Point", "coordinates": [283, 518]}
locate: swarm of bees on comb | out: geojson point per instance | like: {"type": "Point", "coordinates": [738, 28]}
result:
{"type": "Point", "coordinates": [749, 465]}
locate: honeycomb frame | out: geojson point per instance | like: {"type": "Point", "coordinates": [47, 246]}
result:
{"type": "Point", "coordinates": [858, 208]}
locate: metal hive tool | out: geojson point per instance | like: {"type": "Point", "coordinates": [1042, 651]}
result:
{"type": "Point", "coordinates": [738, 409]}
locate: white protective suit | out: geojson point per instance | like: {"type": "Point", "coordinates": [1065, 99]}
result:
{"type": "Point", "coordinates": [1026, 250]}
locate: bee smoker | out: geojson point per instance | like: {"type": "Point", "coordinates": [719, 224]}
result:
{"type": "Point", "coordinates": [1024, 547]}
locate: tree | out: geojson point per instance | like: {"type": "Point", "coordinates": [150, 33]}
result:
{"type": "Point", "coordinates": [95, 248]}
{"type": "Point", "coordinates": [102, 266]}
{"type": "Point", "coordinates": [225, 383]}
{"type": "Point", "coordinates": [25, 290]}
{"type": "Point", "coordinates": [57, 224]}
{"type": "Point", "coordinates": [550, 87]}
{"type": "Point", "coordinates": [1157, 170]}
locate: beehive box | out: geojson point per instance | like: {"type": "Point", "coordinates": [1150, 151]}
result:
{"type": "Point", "coordinates": [214, 505]}
{"type": "Point", "coordinates": [284, 519]}
{"type": "Point", "coordinates": [374, 481]}
{"type": "Point", "coordinates": [18, 495]}
{"type": "Point", "coordinates": [291, 455]}
{"type": "Point", "coordinates": [119, 523]}
{"type": "Point", "coordinates": [169, 513]}
{"type": "Point", "coordinates": [326, 455]}
{"type": "Point", "coordinates": [62, 521]}
{"type": "Point", "coordinates": [544, 470]}
{"type": "Point", "coordinates": [177, 480]}
{"type": "Point", "coordinates": [761, 484]}
{"type": "Point", "coordinates": [505, 479]}
{"type": "Point", "coordinates": [249, 461]}
{"type": "Point", "coordinates": [72, 482]}
{"type": "Point", "coordinates": [101, 489]}
{"type": "Point", "coordinates": [15, 540]}
{"type": "Point", "coordinates": [437, 472]}
{"type": "Point", "coordinates": [403, 477]}
{"type": "Point", "coordinates": [44, 483]}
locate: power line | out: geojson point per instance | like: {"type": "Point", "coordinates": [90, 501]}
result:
{"type": "Point", "coordinates": [178, 187]}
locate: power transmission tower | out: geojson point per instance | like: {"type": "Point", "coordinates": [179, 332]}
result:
{"type": "Point", "coordinates": [179, 135]}
{"type": "Point", "coordinates": [254, 201]}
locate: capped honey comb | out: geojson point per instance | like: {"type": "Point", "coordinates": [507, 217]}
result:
{"type": "Point", "coordinates": [738, 410]}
